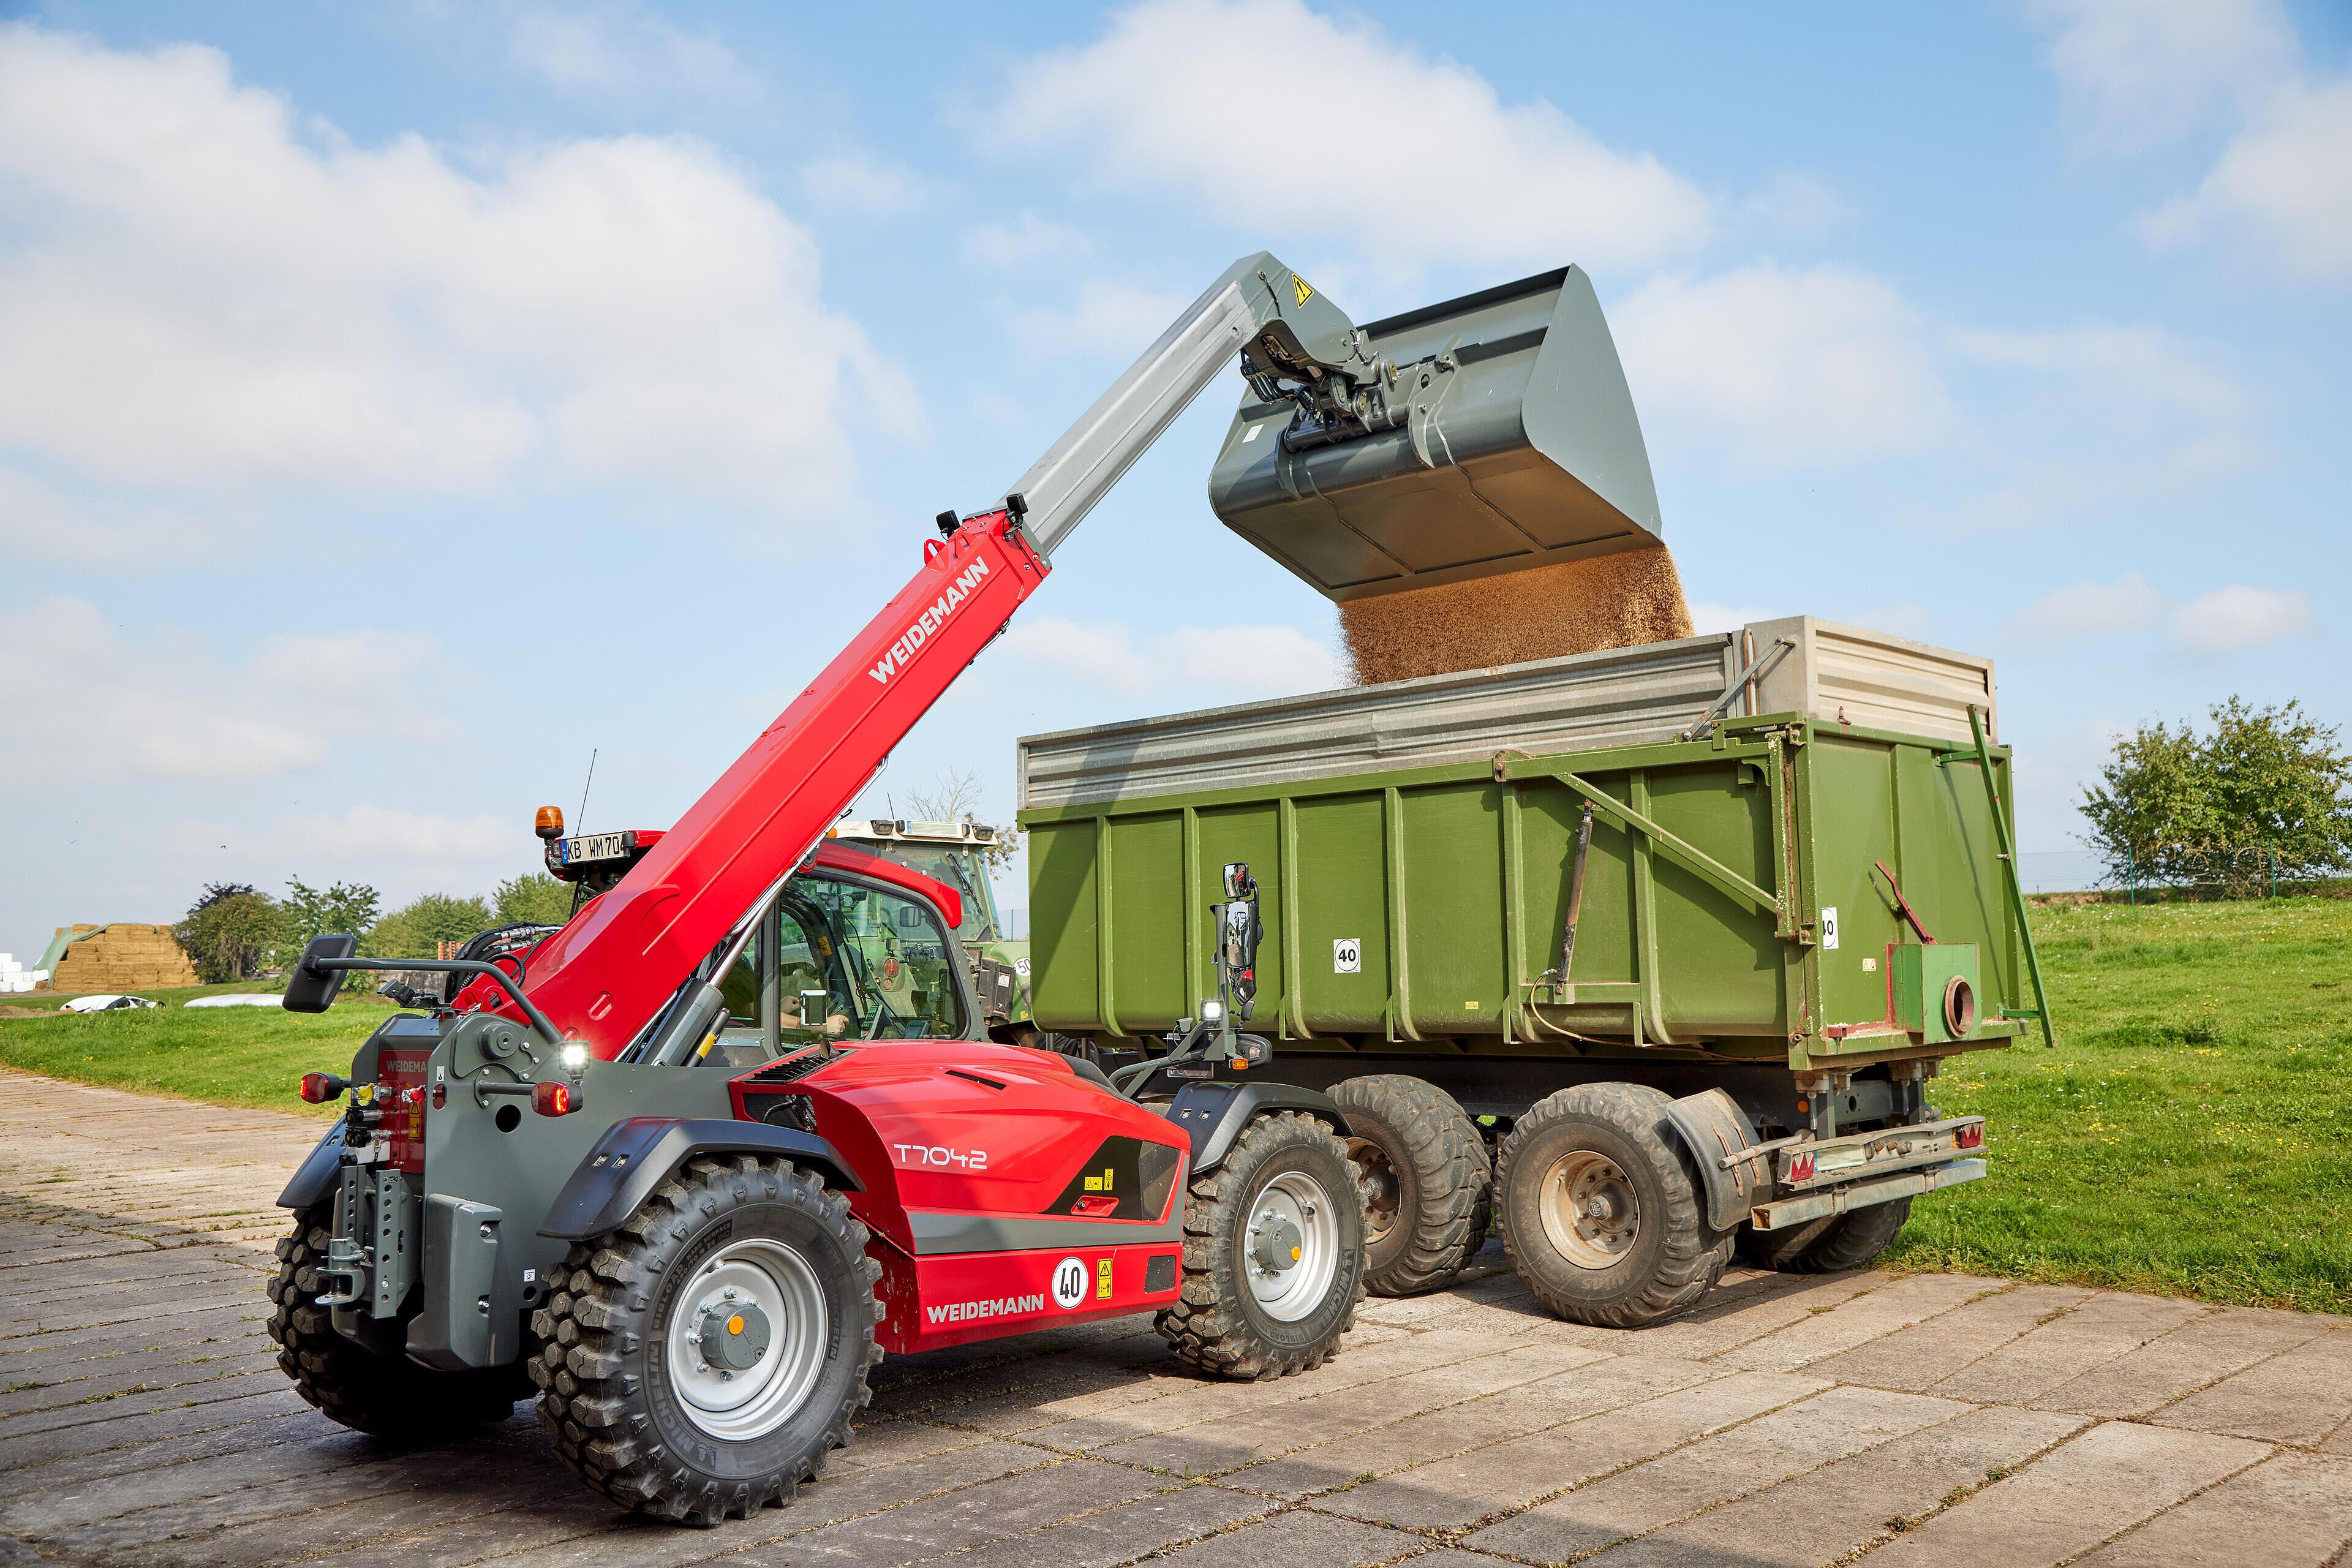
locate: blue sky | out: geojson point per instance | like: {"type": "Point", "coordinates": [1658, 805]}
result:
{"type": "Point", "coordinates": [403, 400]}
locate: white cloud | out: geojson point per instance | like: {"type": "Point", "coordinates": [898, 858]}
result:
{"type": "Point", "coordinates": [853, 182]}
{"type": "Point", "coordinates": [626, 50]}
{"type": "Point", "coordinates": [1026, 238]}
{"type": "Point", "coordinates": [2113, 367]}
{"type": "Point", "coordinates": [2225, 621]}
{"type": "Point", "coordinates": [1192, 667]}
{"type": "Point", "coordinates": [38, 522]}
{"type": "Point", "coordinates": [1181, 94]}
{"type": "Point", "coordinates": [2135, 73]}
{"type": "Point", "coordinates": [198, 291]}
{"type": "Point", "coordinates": [1793, 367]}
{"type": "Point", "coordinates": [2238, 619]}
{"type": "Point", "coordinates": [375, 834]}
{"type": "Point", "coordinates": [2286, 182]}
{"type": "Point", "coordinates": [1115, 318]}
{"type": "Point", "coordinates": [1797, 205]}
{"type": "Point", "coordinates": [87, 702]}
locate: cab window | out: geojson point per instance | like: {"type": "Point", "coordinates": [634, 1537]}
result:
{"type": "Point", "coordinates": [897, 962]}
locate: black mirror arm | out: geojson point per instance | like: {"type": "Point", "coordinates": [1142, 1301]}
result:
{"type": "Point", "coordinates": [504, 981]}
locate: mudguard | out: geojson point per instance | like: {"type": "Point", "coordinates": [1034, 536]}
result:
{"type": "Point", "coordinates": [1714, 1129]}
{"type": "Point", "coordinates": [314, 1179]}
{"type": "Point", "coordinates": [1213, 1114]}
{"type": "Point", "coordinates": [634, 1156]}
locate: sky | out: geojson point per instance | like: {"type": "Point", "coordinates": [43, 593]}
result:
{"type": "Point", "coordinates": [404, 401]}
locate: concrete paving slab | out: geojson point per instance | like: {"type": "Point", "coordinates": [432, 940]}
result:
{"type": "Point", "coordinates": [1111, 1536]}
{"type": "Point", "coordinates": [1897, 1304]}
{"type": "Point", "coordinates": [2291, 1510]}
{"type": "Point", "coordinates": [2104, 1329]}
{"type": "Point", "coordinates": [1747, 1458]}
{"type": "Point", "coordinates": [2300, 1397]}
{"type": "Point", "coordinates": [2199, 1354]}
{"type": "Point", "coordinates": [2091, 1487]}
{"type": "Point", "coordinates": [1300, 1536]}
{"type": "Point", "coordinates": [1913, 1359]}
{"type": "Point", "coordinates": [1827, 1514]}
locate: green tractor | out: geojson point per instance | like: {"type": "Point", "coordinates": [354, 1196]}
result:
{"type": "Point", "coordinates": [957, 854]}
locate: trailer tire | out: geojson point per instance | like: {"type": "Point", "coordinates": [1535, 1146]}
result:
{"type": "Point", "coordinates": [387, 1396]}
{"type": "Point", "coordinates": [1830, 1246]}
{"type": "Point", "coordinates": [628, 1393]}
{"type": "Point", "coordinates": [1635, 1247]}
{"type": "Point", "coordinates": [1428, 1182]}
{"type": "Point", "coordinates": [1241, 1316]}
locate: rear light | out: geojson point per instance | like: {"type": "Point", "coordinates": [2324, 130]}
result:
{"type": "Point", "coordinates": [551, 1099]}
{"type": "Point", "coordinates": [1971, 1136]}
{"type": "Point", "coordinates": [319, 1088]}
{"type": "Point", "coordinates": [1095, 1205]}
{"type": "Point", "coordinates": [1801, 1167]}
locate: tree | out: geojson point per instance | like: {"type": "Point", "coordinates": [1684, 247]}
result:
{"type": "Point", "coordinates": [417, 930]}
{"type": "Point", "coordinates": [347, 907]}
{"type": "Point", "coordinates": [535, 897]}
{"type": "Point", "coordinates": [2268, 792]}
{"type": "Point", "coordinates": [228, 930]}
{"type": "Point", "coordinates": [956, 798]}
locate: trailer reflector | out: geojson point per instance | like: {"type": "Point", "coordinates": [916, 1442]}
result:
{"type": "Point", "coordinates": [552, 1099]}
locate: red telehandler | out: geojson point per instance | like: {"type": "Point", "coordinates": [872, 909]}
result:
{"type": "Point", "coordinates": [691, 1162]}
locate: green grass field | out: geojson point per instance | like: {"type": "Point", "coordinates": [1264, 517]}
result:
{"type": "Point", "coordinates": [2192, 1134]}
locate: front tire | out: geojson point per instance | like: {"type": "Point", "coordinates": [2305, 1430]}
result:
{"type": "Point", "coordinates": [387, 1396]}
{"type": "Point", "coordinates": [1428, 1183]}
{"type": "Point", "coordinates": [1602, 1211]}
{"type": "Point", "coordinates": [1274, 1254]}
{"type": "Point", "coordinates": [700, 1362]}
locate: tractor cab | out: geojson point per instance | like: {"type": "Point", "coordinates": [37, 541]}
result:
{"type": "Point", "coordinates": [958, 855]}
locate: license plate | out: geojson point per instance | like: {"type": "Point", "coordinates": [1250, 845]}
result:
{"type": "Point", "coordinates": [594, 846]}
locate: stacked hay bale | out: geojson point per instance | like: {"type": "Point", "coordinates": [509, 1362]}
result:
{"type": "Point", "coordinates": [1623, 600]}
{"type": "Point", "coordinates": [117, 957]}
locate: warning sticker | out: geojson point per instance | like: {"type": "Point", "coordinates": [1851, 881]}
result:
{"type": "Point", "coordinates": [1298, 286]}
{"type": "Point", "coordinates": [1102, 1281]}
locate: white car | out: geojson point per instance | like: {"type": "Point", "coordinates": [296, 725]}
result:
{"type": "Point", "coordinates": [236, 999]}
{"type": "Point", "coordinates": [107, 1003]}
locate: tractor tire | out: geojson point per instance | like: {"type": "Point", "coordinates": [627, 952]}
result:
{"type": "Point", "coordinates": [1274, 1254]}
{"type": "Point", "coordinates": [1429, 1187]}
{"type": "Point", "coordinates": [1602, 1213]}
{"type": "Point", "coordinates": [734, 1260]}
{"type": "Point", "coordinates": [1843, 1241]}
{"type": "Point", "coordinates": [386, 1396]}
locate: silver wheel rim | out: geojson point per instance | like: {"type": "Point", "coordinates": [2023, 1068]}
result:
{"type": "Point", "coordinates": [1590, 1215]}
{"type": "Point", "coordinates": [778, 1283]}
{"type": "Point", "coordinates": [1294, 1207]}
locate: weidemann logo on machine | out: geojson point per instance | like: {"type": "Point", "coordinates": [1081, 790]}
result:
{"type": "Point", "coordinates": [930, 621]}
{"type": "Point", "coordinates": [972, 1311]}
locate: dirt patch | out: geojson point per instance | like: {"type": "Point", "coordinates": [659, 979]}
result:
{"type": "Point", "coordinates": [1581, 606]}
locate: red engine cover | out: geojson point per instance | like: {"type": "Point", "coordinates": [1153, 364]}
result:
{"type": "Point", "coordinates": [1004, 1192]}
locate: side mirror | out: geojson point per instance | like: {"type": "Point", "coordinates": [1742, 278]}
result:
{"type": "Point", "coordinates": [1239, 883]}
{"type": "Point", "coordinates": [311, 989]}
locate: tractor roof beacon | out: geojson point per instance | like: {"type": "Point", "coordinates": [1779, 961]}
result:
{"type": "Point", "coordinates": [692, 1161]}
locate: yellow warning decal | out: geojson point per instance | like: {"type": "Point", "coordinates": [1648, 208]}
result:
{"type": "Point", "coordinates": [1298, 285]}
{"type": "Point", "coordinates": [1102, 1281]}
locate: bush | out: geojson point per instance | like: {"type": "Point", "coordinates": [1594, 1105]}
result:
{"type": "Point", "coordinates": [2264, 794]}
{"type": "Point", "coordinates": [229, 931]}
{"type": "Point", "coordinates": [309, 913]}
{"type": "Point", "coordinates": [535, 897]}
{"type": "Point", "coordinates": [417, 930]}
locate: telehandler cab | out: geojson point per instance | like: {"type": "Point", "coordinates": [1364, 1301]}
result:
{"type": "Point", "coordinates": [692, 1161]}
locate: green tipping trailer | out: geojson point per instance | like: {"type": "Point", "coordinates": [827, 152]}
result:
{"type": "Point", "coordinates": [1758, 882]}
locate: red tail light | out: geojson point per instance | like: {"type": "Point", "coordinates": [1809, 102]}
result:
{"type": "Point", "coordinates": [551, 1099]}
{"type": "Point", "coordinates": [319, 1088]}
{"type": "Point", "coordinates": [1801, 1167]}
{"type": "Point", "coordinates": [1971, 1136]}
{"type": "Point", "coordinates": [1095, 1205]}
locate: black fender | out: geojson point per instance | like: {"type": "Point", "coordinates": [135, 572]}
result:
{"type": "Point", "coordinates": [314, 1179]}
{"type": "Point", "coordinates": [637, 1155]}
{"type": "Point", "coordinates": [1214, 1112]}
{"type": "Point", "coordinates": [1715, 1129]}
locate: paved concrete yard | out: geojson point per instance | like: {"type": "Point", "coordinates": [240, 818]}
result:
{"type": "Point", "coordinates": [1932, 1419]}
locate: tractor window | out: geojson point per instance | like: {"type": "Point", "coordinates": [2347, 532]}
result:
{"type": "Point", "coordinates": [898, 962]}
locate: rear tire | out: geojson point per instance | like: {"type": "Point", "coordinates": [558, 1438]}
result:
{"type": "Point", "coordinates": [635, 1377]}
{"type": "Point", "coordinates": [1843, 1241]}
{"type": "Point", "coordinates": [1602, 1213]}
{"type": "Point", "coordinates": [388, 1395]}
{"type": "Point", "coordinates": [1251, 1307]}
{"type": "Point", "coordinates": [1429, 1187]}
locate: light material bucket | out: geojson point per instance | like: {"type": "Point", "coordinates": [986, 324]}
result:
{"type": "Point", "coordinates": [1513, 444]}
